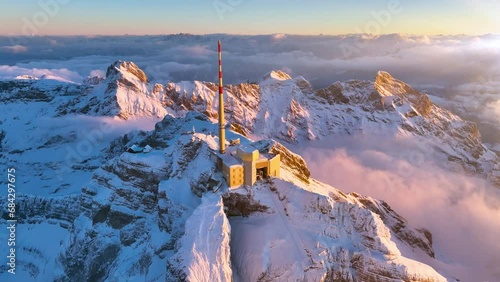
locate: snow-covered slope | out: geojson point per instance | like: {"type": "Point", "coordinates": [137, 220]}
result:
{"type": "Point", "coordinates": [152, 217]}
{"type": "Point", "coordinates": [124, 93]}
{"type": "Point", "coordinates": [308, 236]}
{"type": "Point", "coordinates": [204, 253]}
{"type": "Point", "coordinates": [119, 216]}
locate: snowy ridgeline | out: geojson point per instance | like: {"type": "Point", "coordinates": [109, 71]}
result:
{"type": "Point", "coordinates": [57, 117]}
{"type": "Point", "coordinates": [290, 110]}
{"type": "Point", "coordinates": [109, 215]}
{"type": "Point", "coordinates": [151, 216]}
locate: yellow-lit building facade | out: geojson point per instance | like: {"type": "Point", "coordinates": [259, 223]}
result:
{"type": "Point", "coordinates": [243, 165]}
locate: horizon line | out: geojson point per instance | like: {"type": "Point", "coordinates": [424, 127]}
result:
{"type": "Point", "coordinates": [239, 34]}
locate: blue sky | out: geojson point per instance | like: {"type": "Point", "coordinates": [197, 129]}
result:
{"type": "Point", "coordinates": [91, 17]}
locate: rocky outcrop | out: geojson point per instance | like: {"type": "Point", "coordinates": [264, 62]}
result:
{"type": "Point", "coordinates": [236, 204]}
{"type": "Point", "coordinates": [388, 86]}
{"type": "Point", "coordinates": [34, 209]}
{"type": "Point", "coordinates": [293, 161]}
{"type": "Point", "coordinates": [333, 94]}
{"type": "Point", "coordinates": [117, 69]}
{"type": "Point", "coordinates": [277, 75]}
{"type": "Point", "coordinates": [120, 212]}
{"type": "Point", "coordinates": [420, 238]}
{"type": "Point", "coordinates": [314, 232]}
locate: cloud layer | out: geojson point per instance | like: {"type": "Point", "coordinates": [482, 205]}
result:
{"type": "Point", "coordinates": [462, 72]}
{"type": "Point", "coordinates": [421, 60]}
{"type": "Point", "coordinates": [461, 212]}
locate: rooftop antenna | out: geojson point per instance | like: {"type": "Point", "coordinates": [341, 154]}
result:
{"type": "Point", "coordinates": [222, 132]}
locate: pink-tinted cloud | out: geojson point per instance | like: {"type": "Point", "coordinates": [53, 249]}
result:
{"type": "Point", "coordinates": [463, 213]}
{"type": "Point", "coordinates": [9, 72]}
{"type": "Point", "coordinates": [14, 49]}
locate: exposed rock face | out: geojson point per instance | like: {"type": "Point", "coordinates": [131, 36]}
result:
{"type": "Point", "coordinates": [293, 161]}
{"type": "Point", "coordinates": [240, 101]}
{"type": "Point", "coordinates": [388, 86]}
{"type": "Point", "coordinates": [333, 94]}
{"type": "Point", "coordinates": [313, 232]}
{"type": "Point", "coordinates": [120, 212]}
{"type": "Point", "coordinates": [133, 216]}
{"type": "Point", "coordinates": [279, 75]}
{"type": "Point", "coordinates": [33, 209]}
{"type": "Point", "coordinates": [236, 204]}
{"type": "Point", "coordinates": [118, 67]}
{"type": "Point", "coordinates": [420, 238]}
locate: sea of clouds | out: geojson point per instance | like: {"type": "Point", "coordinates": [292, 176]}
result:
{"type": "Point", "coordinates": [462, 212]}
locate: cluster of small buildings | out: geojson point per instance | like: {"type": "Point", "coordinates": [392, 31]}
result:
{"type": "Point", "coordinates": [244, 165]}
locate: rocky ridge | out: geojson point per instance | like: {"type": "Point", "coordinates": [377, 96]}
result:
{"type": "Point", "coordinates": [292, 111]}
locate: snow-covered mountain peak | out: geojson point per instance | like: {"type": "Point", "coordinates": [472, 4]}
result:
{"type": "Point", "coordinates": [126, 69]}
{"type": "Point", "coordinates": [124, 93]}
{"type": "Point", "coordinates": [26, 77]}
{"type": "Point", "coordinates": [93, 80]}
{"type": "Point", "coordinates": [277, 75]}
{"type": "Point", "coordinates": [388, 86]}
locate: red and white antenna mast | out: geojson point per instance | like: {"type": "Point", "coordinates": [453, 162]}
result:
{"type": "Point", "coordinates": [222, 132]}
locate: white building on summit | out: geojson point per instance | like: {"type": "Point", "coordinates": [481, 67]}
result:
{"type": "Point", "coordinates": [241, 164]}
